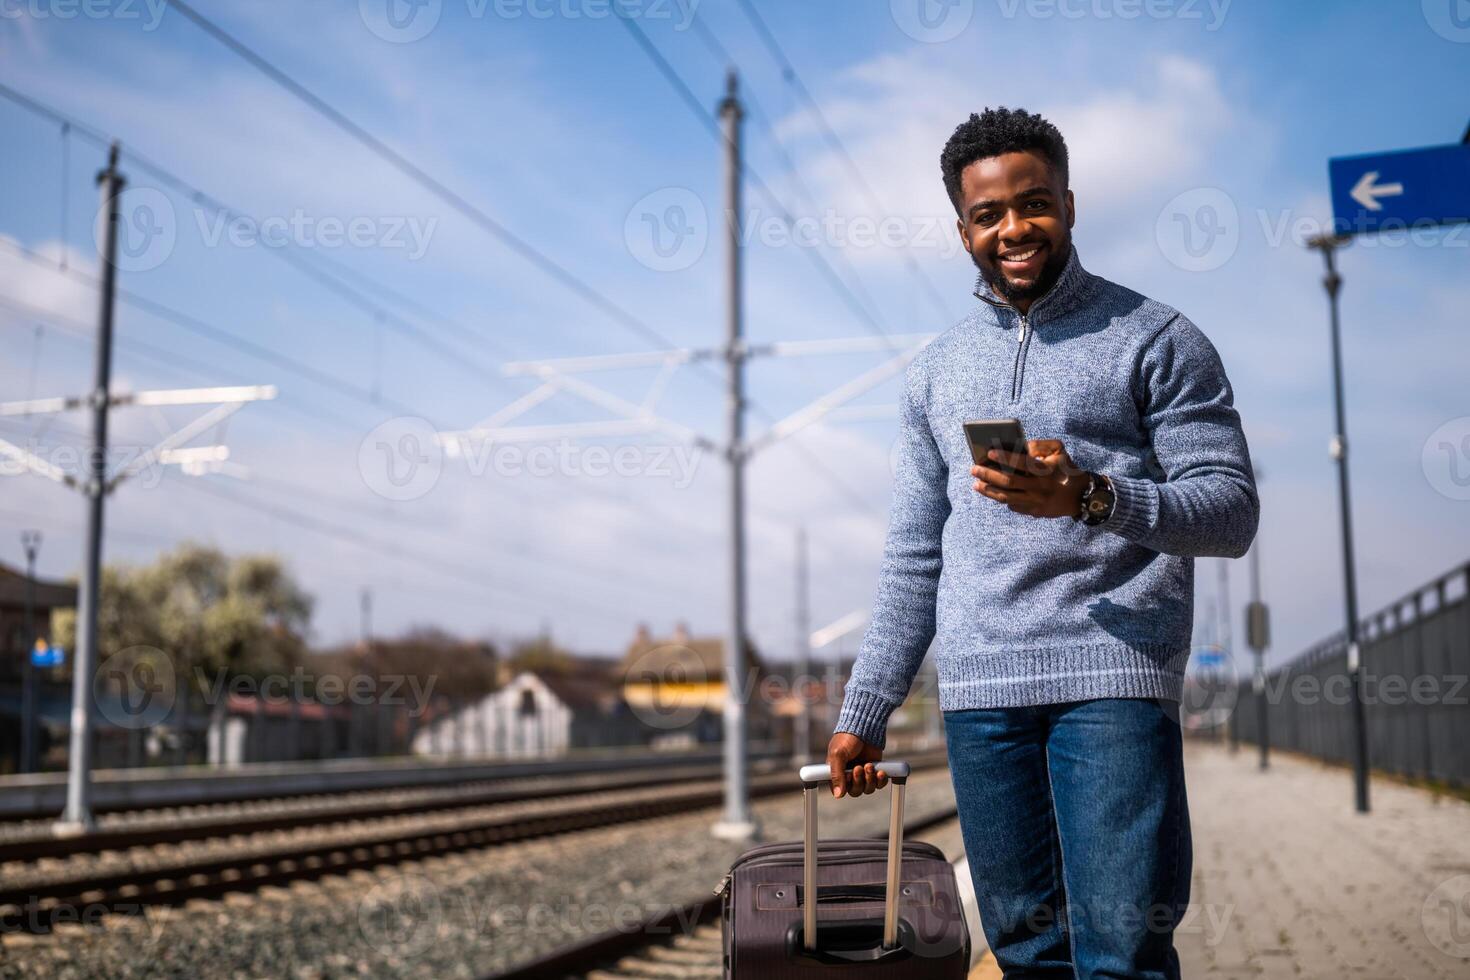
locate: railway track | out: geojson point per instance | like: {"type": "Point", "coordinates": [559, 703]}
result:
{"type": "Point", "coordinates": [229, 821]}
{"type": "Point", "coordinates": [40, 904]}
{"type": "Point", "coordinates": [684, 942]}
{"type": "Point", "coordinates": [184, 794]}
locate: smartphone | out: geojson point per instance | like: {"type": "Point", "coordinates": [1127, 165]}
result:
{"type": "Point", "coordinates": [987, 434]}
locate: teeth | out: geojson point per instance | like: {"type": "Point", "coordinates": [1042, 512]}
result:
{"type": "Point", "coordinates": [1021, 256]}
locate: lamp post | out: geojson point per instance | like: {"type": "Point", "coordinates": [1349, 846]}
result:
{"type": "Point", "coordinates": [1332, 282]}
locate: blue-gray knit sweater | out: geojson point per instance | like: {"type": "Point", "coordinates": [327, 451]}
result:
{"type": "Point", "coordinates": [1026, 610]}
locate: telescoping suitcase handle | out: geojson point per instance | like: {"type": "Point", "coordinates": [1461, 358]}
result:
{"type": "Point", "coordinates": [815, 776]}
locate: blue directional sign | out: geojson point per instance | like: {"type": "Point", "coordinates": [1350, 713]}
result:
{"type": "Point", "coordinates": [1400, 190]}
{"type": "Point", "coordinates": [44, 655]}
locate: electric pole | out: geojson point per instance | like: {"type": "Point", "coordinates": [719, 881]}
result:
{"type": "Point", "coordinates": [1332, 282]}
{"type": "Point", "coordinates": [31, 542]}
{"type": "Point", "coordinates": [77, 816]}
{"type": "Point", "coordinates": [738, 822]}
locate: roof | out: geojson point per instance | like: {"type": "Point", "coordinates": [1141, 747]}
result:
{"type": "Point", "coordinates": [49, 595]}
{"type": "Point", "coordinates": [579, 690]}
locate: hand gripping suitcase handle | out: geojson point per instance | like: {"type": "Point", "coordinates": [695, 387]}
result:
{"type": "Point", "coordinates": [814, 776]}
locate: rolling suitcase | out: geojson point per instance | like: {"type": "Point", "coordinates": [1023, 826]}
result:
{"type": "Point", "coordinates": [884, 909]}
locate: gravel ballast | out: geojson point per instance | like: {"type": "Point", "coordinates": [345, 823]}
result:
{"type": "Point", "coordinates": [463, 915]}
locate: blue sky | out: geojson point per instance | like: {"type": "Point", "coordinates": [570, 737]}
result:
{"type": "Point", "coordinates": [548, 117]}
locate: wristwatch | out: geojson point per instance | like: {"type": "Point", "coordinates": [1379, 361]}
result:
{"type": "Point", "coordinates": [1097, 501]}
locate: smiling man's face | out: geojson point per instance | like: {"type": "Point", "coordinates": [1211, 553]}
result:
{"type": "Point", "coordinates": [1016, 223]}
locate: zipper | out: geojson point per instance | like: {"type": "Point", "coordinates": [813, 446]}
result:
{"type": "Point", "coordinates": [1018, 368]}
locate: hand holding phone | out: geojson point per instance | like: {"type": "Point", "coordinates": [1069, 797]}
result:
{"type": "Point", "coordinates": [987, 434]}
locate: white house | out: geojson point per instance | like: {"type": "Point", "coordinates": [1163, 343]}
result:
{"type": "Point", "coordinates": [533, 714]}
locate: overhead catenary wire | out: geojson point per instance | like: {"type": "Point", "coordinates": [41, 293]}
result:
{"type": "Point", "coordinates": [197, 326]}
{"type": "Point", "coordinates": [499, 231]}
{"type": "Point", "coordinates": [319, 378]}
{"type": "Point", "coordinates": [331, 281]}
{"type": "Point", "coordinates": [413, 171]}
{"type": "Point", "coordinates": [767, 123]}
{"type": "Point", "coordinates": [309, 522]}
{"type": "Point", "coordinates": [706, 118]}
{"type": "Point", "coordinates": [390, 549]}
{"type": "Point", "coordinates": [793, 78]}
{"type": "Point", "coordinates": [206, 371]}
{"type": "Point", "coordinates": [704, 115]}
{"type": "Point", "coordinates": [68, 326]}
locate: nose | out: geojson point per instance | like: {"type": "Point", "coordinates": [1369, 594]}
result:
{"type": "Point", "coordinates": [1013, 226]}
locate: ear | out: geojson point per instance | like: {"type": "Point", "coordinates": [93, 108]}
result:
{"type": "Point", "coordinates": [959, 227]}
{"type": "Point", "coordinates": [1071, 209]}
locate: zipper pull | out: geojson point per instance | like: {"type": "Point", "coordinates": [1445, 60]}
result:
{"type": "Point", "coordinates": [723, 885]}
{"type": "Point", "coordinates": [1021, 337]}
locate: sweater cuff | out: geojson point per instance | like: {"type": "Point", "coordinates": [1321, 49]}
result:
{"type": "Point", "coordinates": [1135, 508]}
{"type": "Point", "coordinates": [865, 715]}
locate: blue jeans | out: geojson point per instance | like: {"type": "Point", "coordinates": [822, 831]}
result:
{"type": "Point", "coordinates": [1077, 830]}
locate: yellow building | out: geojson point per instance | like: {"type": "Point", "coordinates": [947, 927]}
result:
{"type": "Point", "coordinates": [676, 684]}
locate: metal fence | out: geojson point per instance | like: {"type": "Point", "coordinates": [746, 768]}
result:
{"type": "Point", "coordinates": [1416, 689]}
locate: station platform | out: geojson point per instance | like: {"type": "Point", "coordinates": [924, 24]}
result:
{"type": "Point", "coordinates": [1290, 881]}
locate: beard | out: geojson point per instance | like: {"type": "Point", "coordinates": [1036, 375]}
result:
{"type": "Point", "coordinates": [1056, 261]}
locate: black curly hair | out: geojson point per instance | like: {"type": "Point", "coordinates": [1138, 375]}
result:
{"type": "Point", "coordinates": [997, 131]}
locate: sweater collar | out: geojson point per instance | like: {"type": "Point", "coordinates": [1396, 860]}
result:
{"type": "Point", "coordinates": [1062, 294]}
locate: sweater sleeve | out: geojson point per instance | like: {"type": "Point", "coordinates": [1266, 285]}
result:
{"type": "Point", "coordinates": [1207, 503]}
{"type": "Point", "coordinates": [903, 619]}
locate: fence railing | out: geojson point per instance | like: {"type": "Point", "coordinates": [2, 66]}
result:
{"type": "Point", "coordinates": [1415, 656]}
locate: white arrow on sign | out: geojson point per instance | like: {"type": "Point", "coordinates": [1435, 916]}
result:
{"type": "Point", "coordinates": [1367, 193]}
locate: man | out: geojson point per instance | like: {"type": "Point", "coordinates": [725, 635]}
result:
{"type": "Point", "coordinates": [1062, 596]}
